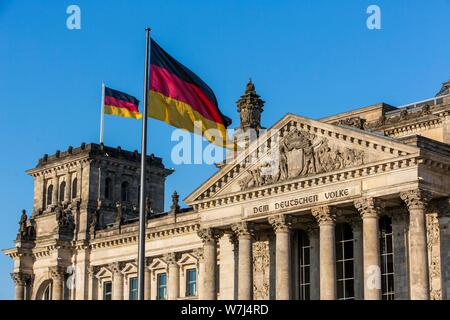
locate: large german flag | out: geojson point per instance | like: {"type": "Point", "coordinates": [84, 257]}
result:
{"type": "Point", "coordinates": [180, 98]}
{"type": "Point", "coordinates": [121, 104]}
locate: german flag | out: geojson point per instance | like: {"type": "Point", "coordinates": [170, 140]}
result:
{"type": "Point", "coordinates": [121, 104]}
{"type": "Point", "coordinates": [181, 99]}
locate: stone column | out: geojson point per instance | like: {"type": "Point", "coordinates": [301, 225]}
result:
{"type": "Point", "coordinates": [416, 201]}
{"type": "Point", "coordinates": [173, 280]}
{"type": "Point", "coordinates": [148, 281]}
{"type": "Point", "coordinates": [55, 184]}
{"type": "Point", "coordinates": [228, 272]}
{"type": "Point", "coordinates": [314, 256]}
{"type": "Point", "coordinates": [399, 241]}
{"type": "Point", "coordinates": [358, 260]}
{"type": "Point", "coordinates": [326, 218]}
{"type": "Point", "coordinates": [20, 280]}
{"type": "Point", "coordinates": [201, 273]}
{"type": "Point", "coordinates": [210, 237]}
{"type": "Point", "coordinates": [68, 186]}
{"type": "Point", "coordinates": [243, 232]}
{"type": "Point", "coordinates": [92, 283]}
{"type": "Point", "coordinates": [57, 276]}
{"type": "Point", "coordinates": [443, 208]}
{"type": "Point", "coordinates": [370, 209]}
{"type": "Point", "coordinates": [118, 280]}
{"type": "Point", "coordinates": [281, 226]}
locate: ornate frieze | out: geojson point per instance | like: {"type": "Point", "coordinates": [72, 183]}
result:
{"type": "Point", "coordinates": [416, 199]}
{"type": "Point", "coordinates": [356, 122]}
{"type": "Point", "coordinates": [369, 207]}
{"type": "Point", "coordinates": [324, 215]}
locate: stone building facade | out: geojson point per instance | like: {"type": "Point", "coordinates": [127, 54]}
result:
{"type": "Point", "coordinates": [351, 206]}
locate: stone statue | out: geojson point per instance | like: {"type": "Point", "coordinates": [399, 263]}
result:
{"type": "Point", "coordinates": [250, 106]}
{"type": "Point", "coordinates": [23, 224]}
{"type": "Point", "coordinates": [119, 214]}
{"type": "Point", "coordinates": [175, 208]}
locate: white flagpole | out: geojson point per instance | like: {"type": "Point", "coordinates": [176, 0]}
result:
{"type": "Point", "coordinates": [102, 112]}
{"type": "Point", "coordinates": [142, 216]}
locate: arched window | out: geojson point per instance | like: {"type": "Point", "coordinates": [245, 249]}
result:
{"type": "Point", "coordinates": [49, 194]}
{"type": "Point", "coordinates": [62, 190]}
{"type": "Point", "coordinates": [387, 258]}
{"type": "Point", "coordinates": [344, 262]}
{"type": "Point", "coordinates": [74, 188]}
{"type": "Point", "coordinates": [47, 293]}
{"type": "Point", "coordinates": [108, 188]}
{"type": "Point", "coordinates": [124, 189]}
{"type": "Point", "coordinates": [304, 264]}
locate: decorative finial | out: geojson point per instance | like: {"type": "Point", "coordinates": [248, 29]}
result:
{"type": "Point", "coordinates": [250, 106]}
{"type": "Point", "coordinates": [175, 199]}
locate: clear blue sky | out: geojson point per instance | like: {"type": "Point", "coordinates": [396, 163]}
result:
{"type": "Point", "coordinates": [313, 58]}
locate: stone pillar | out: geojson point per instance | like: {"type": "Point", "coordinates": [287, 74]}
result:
{"type": "Point", "coordinates": [173, 276]}
{"type": "Point", "coordinates": [68, 186]}
{"type": "Point", "coordinates": [243, 232]}
{"type": "Point", "coordinates": [358, 254]}
{"type": "Point", "coordinates": [314, 256]}
{"type": "Point", "coordinates": [20, 280]}
{"type": "Point", "coordinates": [55, 184]}
{"type": "Point", "coordinates": [370, 209]}
{"type": "Point", "coordinates": [210, 237]}
{"type": "Point", "coordinates": [118, 280]}
{"type": "Point", "coordinates": [416, 201]}
{"type": "Point", "coordinates": [228, 272]}
{"type": "Point", "coordinates": [326, 218]}
{"type": "Point", "coordinates": [201, 273]}
{"type": "Point", "coordinates": [92, 283]}
{"type": "Point", "coordinates": [147, 284]}
{"type": "Point", "coordinates": [443, 208]}
{"type": "Point", "coordinates": [399, 241]}
{"type": "Point", "coordinates": [283, 283]}
{"type": "Point", "coordinates": [57, 276]}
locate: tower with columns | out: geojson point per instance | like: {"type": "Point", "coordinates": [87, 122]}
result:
{"type": "Point", "coordinates": [351, 206]}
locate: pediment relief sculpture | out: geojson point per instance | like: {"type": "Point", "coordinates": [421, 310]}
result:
{"type": "Point", "coordinates": [301, 154]}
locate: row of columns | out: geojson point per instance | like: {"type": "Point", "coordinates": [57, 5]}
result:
{"type": "Point", "coordinates": [370, 210]}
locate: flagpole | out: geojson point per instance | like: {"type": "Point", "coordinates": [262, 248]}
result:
{"type": "Point", "coordinates": [142, 217]}
{"type": "Point", "coordinates": [102, 112]}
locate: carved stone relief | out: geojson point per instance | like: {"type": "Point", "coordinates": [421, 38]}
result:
{"type": "Point", "coordinates": [261, 268]}
{"type": "Point", "coordinates": [300, 153]}
{"type": "Point", "coordinates": [433, 242]}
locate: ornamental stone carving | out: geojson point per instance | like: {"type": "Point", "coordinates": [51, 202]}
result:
{"type": "Point", "coordinates": [324, 215]}
{"type": "Point", "coordinates": [116, 267]}
{"type": "Point", "coordinates": [280, 223]}
{"type": "Point", "coordinates": [209, 235]}
{"type": "Point", "coordinates": [301, 153]}
{"type": "Point", "coordinates": [171, 258]}
{"type": "Point", "coordinates": [356, 122]}
{"type": "Point", "coordinates": [416, 199]}
{"type": "Point", "coordinates": [369, 207]}
{"type": "Point", "coordinates": [243, 229]}
{"type": "Point", "coordinates": [250, 106]}
{"type": "Point", "coordinates": [261, 267]}
{"type": "Point", "coordinates": [56, 272]}
{"type": "Point", "coordinates": [26, 228]}
{"type": "Point", "coordinates": [20, 278]}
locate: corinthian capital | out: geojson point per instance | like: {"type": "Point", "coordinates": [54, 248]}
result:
{"type": "Point", "coordinates": [56, 272]}
{"type": "Point", "coordinates": [20, 278]}
{"type": "Point", "coordinates": [416, 199]}
{"type": "Point", "coordinates": [242, 229]}
{"type": "Point", "coordinates": [171, 258]}
{"type": "Point", "coordinates": [209, 235]}
{"type": "Point", "coordinates": [369, 207]}
{"type": "Point", "coordinates": [116, 267]}
{"type": "Point", "coordinates": [280, 223]}
{"type": "Point", "coordinates": [324, 215]}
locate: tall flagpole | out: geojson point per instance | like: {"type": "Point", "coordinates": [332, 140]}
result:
{"type": "Point", "coordinates": [102, 112]}
{"type": "Point", "coordinates": [142, 217]}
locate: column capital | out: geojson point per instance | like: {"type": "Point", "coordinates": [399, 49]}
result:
{"type": "Point", "coordinates": [209, 235]}
{"type": "Point", "coordinates": [416, 198]}
{"type": "Point", "coordinates": [198, 252]}
{"type": "Point", "coordinates": [93, 270]}
{"type": "Point", "coordinates": [116, 267]}
{"type": "Point", "coordinates": [171, 258]}
{"type": "Point", "coordinates": [20, 278]}
{"type": "Point", "coordinates": [56, 272]}
{"type": "Point", "coordinates": [243, 229]}
{"type": "Point", "coordinates": [324, 215]}
{"type": "Point", "coordinates": [369, 207]}
{"type": "Point", "coordinates": [280, 222]}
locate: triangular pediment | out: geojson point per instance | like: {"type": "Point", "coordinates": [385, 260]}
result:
{"type": "Point", "coordinates": [295, 148]}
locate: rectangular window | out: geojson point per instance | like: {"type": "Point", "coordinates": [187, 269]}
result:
{"type": "Point", "coordinates": [191, 282]}
{"type": "Point", "coordinates": [133, 293]}
{"type": "Point", "coordinates": [305, 265]}
{"type": "Point", "coordinates": [161, 285]}
{"type": "Point", "coordinates": [387, 259]}
{"type": "Point", "coordinates": [107, 290]}
{"type": "Point", "coordinates": [344, 262]}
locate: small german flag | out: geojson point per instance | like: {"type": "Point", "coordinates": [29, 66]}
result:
{"type": "Point", "coordinates": [181, 99]}
{"type": "Point", "coordinates": [121, 104]}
